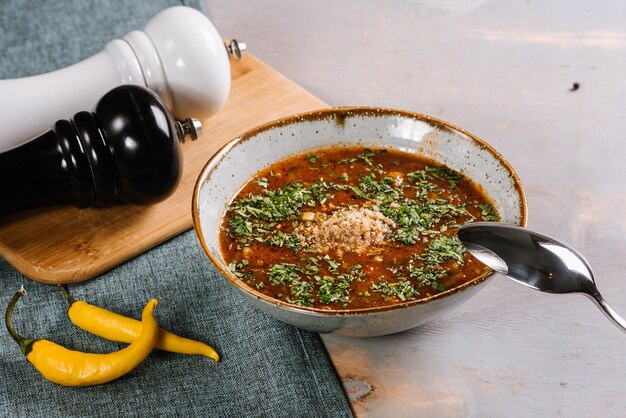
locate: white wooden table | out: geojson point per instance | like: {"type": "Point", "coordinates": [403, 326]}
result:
{"type": "Point", "coordinates": [504, 70]}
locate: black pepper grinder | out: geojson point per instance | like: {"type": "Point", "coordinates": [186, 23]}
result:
{"type": "Point", "coordinates": [127, 150]}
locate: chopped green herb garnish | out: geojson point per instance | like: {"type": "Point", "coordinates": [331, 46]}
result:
{"type": "Point", "coordinates": [332, 289]}
{"type": "Point", "coordinates": [312, 158]}
{"type": "Point", "coordinates": [297, 223]}
{"type": "Point", "coordinates": [367, 156]}
{"type": "Point", "coordinates": [488, 212]}
{"type": "Point", "coordinates": [284, 272]}
{"type": "Point", "coordinates": [441, 172]}
{"type": "Point", "coordinates": [301, 290]}
{"type": "Point", "coordinates": [252, 217]}
{"type": "Point", "coordinates": [332, 265]}
{"type": "Point", "coordinates": [402, 289]}
{"type": "Point", "coordinates": [262, 181]}
{"type": "Point", "coordinates": [282, 239]}
{"type": "Point", "coordinates": [443, 249]}
{"type": "Point", "coordinates": [301, 293]}
{"type": "Point", "coordinates": [371, 188]}
{"type": "Point", "coordinates": [416, 218]}
{"type": "Point", "coordinates": [238, 268]}
{"type": "Point", "coordinates": [427, 275]}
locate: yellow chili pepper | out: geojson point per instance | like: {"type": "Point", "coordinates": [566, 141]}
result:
{"type": "Point", "coordinates": [74, 368]}
{"type": "Point", "coordinates": [115, 327]}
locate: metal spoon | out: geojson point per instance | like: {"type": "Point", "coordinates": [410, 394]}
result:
{"type": "Point", "coordinates": [534, 260]}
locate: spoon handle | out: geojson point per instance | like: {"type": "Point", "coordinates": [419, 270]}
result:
{"type": "Point", "coordinates": [608, 312]}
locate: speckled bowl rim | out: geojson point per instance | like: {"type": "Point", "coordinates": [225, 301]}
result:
{"type": "Point", "coordinates": [340, 114]}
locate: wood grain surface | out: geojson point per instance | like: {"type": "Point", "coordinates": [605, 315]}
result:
{"type": "Point", "coordinates": [65, 245]}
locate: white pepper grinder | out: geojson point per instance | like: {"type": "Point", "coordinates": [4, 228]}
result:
{"type": "Point", "coordinates": [179, 55]}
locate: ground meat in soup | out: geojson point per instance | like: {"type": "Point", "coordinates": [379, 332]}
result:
{"type": "Point", "coordinates": [349, 228]}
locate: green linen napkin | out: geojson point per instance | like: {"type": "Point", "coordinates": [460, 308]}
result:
{"type": "Point", "coordinates": [267, 368]}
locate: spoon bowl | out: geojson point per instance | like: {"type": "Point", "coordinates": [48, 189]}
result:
{"type": "Point", "coordinates": [534, 260]}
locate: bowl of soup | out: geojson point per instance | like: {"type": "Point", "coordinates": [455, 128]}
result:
{"type": "Point", "coordinates": [344, 220]}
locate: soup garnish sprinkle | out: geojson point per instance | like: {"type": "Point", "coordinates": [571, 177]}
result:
{"type": "Point", "coordinates": [350, 228]}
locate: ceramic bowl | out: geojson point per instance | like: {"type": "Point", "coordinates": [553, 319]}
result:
{"type": "Point", "coordinates": [241, 158]}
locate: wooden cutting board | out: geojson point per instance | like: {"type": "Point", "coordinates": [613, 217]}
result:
{"type": "Point", "coordinates": [66, 245]}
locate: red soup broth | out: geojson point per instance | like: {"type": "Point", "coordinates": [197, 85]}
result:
{"type": "Point", "coordinates": [350, 228]}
